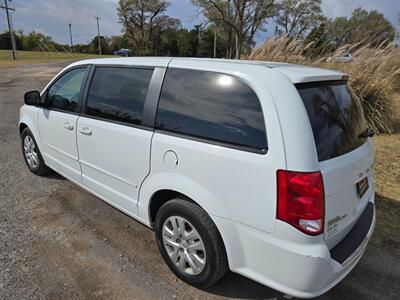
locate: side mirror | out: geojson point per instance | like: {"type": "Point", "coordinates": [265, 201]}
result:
{"type": "Point", "coordinates": [32, 98]}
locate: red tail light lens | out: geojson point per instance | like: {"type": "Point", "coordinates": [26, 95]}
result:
{"type": "Point", "coordinates": [301, 200]}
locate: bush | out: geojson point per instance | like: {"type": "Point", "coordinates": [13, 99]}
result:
{"type": "Point", "coordinates": [374, 73]}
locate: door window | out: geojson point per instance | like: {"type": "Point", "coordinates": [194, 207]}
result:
{"type": "Point", "coordinates": [211, 106]}
{"type": "Point", "coordinates": [118, 94]}
{"type": "Point", "coordinates": [65, 92]}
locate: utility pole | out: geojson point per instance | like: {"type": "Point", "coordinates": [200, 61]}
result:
{"type": "Point", "coordinates": [14, 48]}
{"type": "Point", "coordinates": [215, 42]}
{"type": "Point", "coordinates": [70, 37]}
{"type": "Point", "coordinates": [397, 30]}
{"type": "Point", "coordinates": [98, 32]}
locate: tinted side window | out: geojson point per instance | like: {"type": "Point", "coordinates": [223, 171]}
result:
{"type": "Point", "coordinates": [211, 105]}
{"type": "Point", "coordinates": [65, 92]}
{"type": "Point", "coordinates": [118, 93]}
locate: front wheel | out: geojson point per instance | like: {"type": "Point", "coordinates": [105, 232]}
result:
{"type": "Point", "coordinates": [33, 157]}
{"type": "Point", "coordinates": [190, 243]}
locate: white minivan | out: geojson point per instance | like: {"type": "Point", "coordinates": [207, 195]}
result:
{"type": "Point", "coordinates": [265, 169]}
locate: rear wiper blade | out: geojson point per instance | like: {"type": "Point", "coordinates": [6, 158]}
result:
{"type": "Point", "coordinates": [367, 133]}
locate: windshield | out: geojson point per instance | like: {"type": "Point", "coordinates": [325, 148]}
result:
{"type": "Point", "coordinates": [335, 115]}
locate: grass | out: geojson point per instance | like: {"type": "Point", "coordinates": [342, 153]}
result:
{"type": "Point", "coordinates": [38, 57]}
{"type": "Point", "coordinates": [374, 73]}
{"type": "Point", "coordinates": [387, 184]}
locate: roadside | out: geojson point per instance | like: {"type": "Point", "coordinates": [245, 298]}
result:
{"type": "Point", "coordinates": [57, 241]}
{"type": "Point", "coordinates": [387, 173]}
{"type": "Point", "coordinates": [37, 57]}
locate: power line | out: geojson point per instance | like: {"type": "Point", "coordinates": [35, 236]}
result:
{"type": "Point", "coordinates": [10, 28]}
{"type": "Point", "coordinates": [98, 33]}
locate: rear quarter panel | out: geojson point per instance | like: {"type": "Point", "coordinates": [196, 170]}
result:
{"type": "Point", "coordinates": [297, 135]}
{"type": "Point", "coordinates": [226, 182]}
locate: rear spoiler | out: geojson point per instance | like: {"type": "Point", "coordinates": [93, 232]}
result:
{"type": "Point", "coordinates": [311, 84]}
{"type": "Point", "coordinates": [300, 74]}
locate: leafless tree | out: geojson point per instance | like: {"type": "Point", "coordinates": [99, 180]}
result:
{"type": "Point", "coordinates": [243, 17]}
{"type": "Point", "coordinates": [295, 17]}
{"type": "Point", "coordinates": [141, 20]}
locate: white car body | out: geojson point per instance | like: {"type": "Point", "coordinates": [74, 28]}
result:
{"type": "Point", "coordinates": [127, 165]}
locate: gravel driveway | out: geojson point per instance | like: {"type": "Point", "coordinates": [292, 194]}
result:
{"type": "Point", "coordinates": [57, 241]}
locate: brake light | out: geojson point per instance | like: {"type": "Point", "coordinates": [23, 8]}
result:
{"type": "Point", "coordinates": [301, 200]}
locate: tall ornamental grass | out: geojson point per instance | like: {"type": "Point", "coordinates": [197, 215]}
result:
{"type": "Point", "coordinates": [374, 73]}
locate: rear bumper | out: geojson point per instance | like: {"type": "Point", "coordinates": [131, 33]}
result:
{"type": "Point", "coordinates": [299, 265]}
{"type": "Point", "coordinates": [356, 240]}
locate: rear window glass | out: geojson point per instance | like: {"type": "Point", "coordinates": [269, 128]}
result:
{"type": "Point", "coordinates": [335, 115]}
{"type": "Point", "coordinates": [212, 106]}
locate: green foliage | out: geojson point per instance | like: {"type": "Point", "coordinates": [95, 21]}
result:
{"type": "Point", "coordinates": [5, 41]}
{"type": "Point", "coordinates": [206, 47]}
{"type": "Point", "coordinates": [36, 41]}
{"type": "Point", "coordinates": [363, 26]}
{"type": "Point", "coordinates": [318, 43]}
{"type": "Point", "coordinates": [119, 42]}
{"type": "Point", "coordinates": [187, 43]}
{"type": "Point", "coordinates": [106, 47]}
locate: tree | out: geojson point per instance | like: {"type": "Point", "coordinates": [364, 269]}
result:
{"type": "Point", "coordinates": [363, 26]}
{"type": "Point", "coordinates": [167, 45]}
{"type": "Point", "coordinates": [165, 36]}
{"type": "Point", "coordinates": [339, 30]}
{"type": "Point", "coordinates": [370, 26]}
{"type": "Point", "coordinates": [242, 17]}
{"type": "Point", "coordinates": [119, 42]}
{"type": "Point", "coordinates": [295, 17]}
{"type": "Point", "coordinates": [5, 41]}
{"type": "Point", "coordinates": [36, 41]}
{"type": "Point", "coordinates": [318, 42]}
{"type": "Point", "coordinates": [140, 19]}
{"type": "Point", "coordinates": [206, 45]}
{"type": "Point", "coordinates": [185, 43]}
{"type": "Point", "coordinates": [105, 43]}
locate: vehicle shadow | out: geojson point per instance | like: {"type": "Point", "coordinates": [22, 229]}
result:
{"type": "Point", "coordinates": [233, 285]}
{"type": "Point", "coordinates": [54, 175]}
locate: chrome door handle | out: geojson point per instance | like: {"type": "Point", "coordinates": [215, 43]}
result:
{"type": "Point", "coordinates": [68, 126]}
{"type": "Point", "coordinates": [85, 131]}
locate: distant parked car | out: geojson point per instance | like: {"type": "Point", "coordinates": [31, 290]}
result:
{"type": "Point", "coordinates": [123, 52]}
{"type": "Point", "coordinates": [341, 59]}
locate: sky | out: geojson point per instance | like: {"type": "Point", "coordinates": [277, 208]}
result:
{"type": "Point", "coordinates": [51, 17]}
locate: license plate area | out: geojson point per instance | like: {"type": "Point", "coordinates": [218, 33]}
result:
{"type": "Point", "coordinates": [362, 187]}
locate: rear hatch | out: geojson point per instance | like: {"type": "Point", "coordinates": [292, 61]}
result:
{"type": "Point", "coordinates": [344, 151]}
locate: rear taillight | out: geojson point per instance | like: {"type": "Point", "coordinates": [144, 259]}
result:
{"type": "Point", "coordinates": [301, 200]}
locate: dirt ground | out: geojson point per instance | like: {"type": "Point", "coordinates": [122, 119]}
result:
{"type": "Point", "coordinates": [57, 241]}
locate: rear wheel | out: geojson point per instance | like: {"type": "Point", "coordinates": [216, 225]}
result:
{"type": "Point", "coordinates": [33, 157]}
{"type": "Point", "coordinates": [190, 243]}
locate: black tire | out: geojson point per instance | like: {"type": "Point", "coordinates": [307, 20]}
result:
{"type": "Point", "coordinates": [40, 168]}
{"type": "Point", "coordinates": [216, 264]}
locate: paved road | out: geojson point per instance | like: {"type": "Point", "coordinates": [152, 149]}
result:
{"type": "Point", "coordinates": [57, 241]}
